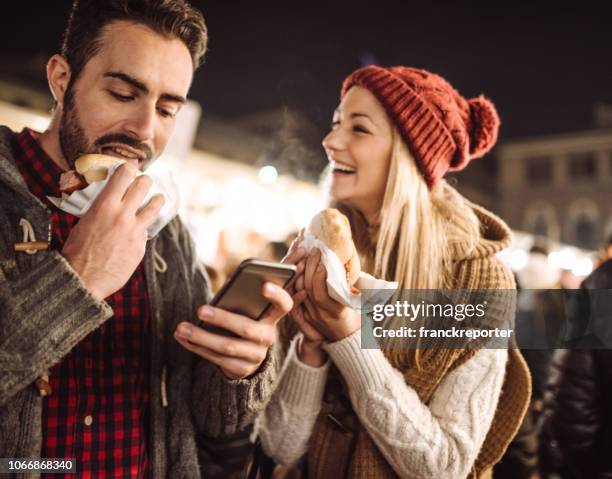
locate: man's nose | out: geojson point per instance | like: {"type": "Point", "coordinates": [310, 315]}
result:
{"type": "Point", "coordinates": [141, 123]}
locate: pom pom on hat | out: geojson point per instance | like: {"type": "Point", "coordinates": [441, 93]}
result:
{"type": "Point", "coordinates": [485, 126]}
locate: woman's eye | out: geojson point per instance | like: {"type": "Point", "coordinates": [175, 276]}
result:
{"type": "Point", "coordinates": [335, 124]}
{"type": "Point", "coordinates": [121, 97]}
{"type": "Point", "coordinates": [360, 129]}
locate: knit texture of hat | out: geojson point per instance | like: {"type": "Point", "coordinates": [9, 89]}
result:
{"type": "Point", "coordinates": [443, 130]}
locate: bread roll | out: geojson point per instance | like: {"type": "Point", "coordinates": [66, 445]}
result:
{"type": "Point", "coordinates": [333, 228]}
{"type": "Point", "coordinates": [95, 167]}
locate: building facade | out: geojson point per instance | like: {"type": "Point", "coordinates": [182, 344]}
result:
{"type": "Point", "coordinates": [558, 186]}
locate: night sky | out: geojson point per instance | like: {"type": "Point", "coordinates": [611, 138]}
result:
{"type": "Point", "coordinates": [544, 68]}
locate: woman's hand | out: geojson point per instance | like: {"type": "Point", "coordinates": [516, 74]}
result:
{"type": "Point", "coordinates": [332, 319]}
{"type": "Point", "coordinates": [309, 349]}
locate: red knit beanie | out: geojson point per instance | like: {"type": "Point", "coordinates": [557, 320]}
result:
{"type": "Point", "coordinates": [443, 130]}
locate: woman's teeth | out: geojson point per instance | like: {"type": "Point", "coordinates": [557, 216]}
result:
{"type": "Point", "coordinates": [338, 167]}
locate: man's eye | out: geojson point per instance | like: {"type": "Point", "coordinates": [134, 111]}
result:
{"type": "Point", "coordinates": [120, 97]}
{"type": "Point", "coordinates": [166, 113]}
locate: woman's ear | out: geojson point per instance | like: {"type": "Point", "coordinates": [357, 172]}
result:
{"type": "Point", "coordinates": [58, 77]}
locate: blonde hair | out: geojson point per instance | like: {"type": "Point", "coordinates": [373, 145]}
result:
{"type": "Point", "coordinates": [413, 241]}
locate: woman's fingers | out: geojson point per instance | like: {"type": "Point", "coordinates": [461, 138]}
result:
{"type": "Point", "coordinates": [315, 283]}
{"type": "Point", "coordinates": [299, 283]}
{"type": "Point", "coordinates": [307, 329]}
{"type": "Point", "coordinates": [311, 264]}
{"type": "Point", "coordinates": [311, 328]}
{"type": "Point", "coordinates": [294, 256]}
{"type": "Point", "coordinates": [320, 294]}
{"type": "Point", "coordinates": [319, 291]}
{"type": "Point", "coordinates": [298, 298]}
{"type": "Point", "coordinates": [295, 253]}
{"type": "Point", "coordinates": [299, 273]}
{"type": "Point", "coordinates": [311, 312]}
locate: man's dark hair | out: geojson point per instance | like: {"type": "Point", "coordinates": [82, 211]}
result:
{"type": "Point", "coordinates": [169, 18]}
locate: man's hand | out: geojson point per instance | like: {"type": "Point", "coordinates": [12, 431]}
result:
{"type": "Point", "coordinates": [108, 243]}
{"type": "Point", "coordinates": [238, 357]}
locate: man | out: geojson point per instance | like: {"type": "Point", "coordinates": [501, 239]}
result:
{"type": "Point", "coordinates": [576, 424]}
{"type": "Point", "coordinates": [605, 253]}
{"type": "Point", "coordinates": [102, 357]}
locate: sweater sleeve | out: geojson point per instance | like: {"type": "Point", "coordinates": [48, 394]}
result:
{"type": "Point", "coordinates": [436, 440]}
{"type": "Point", "coordinates": [286, 424]}
{"type": "Point", "coordinates": [44, 313]}
{"type": "Point", "coordinates": [222, 407]}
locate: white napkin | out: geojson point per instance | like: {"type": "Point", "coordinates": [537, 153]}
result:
{"type": "Point", "coordinates": [80, 201]}
{"type": "Point", "coordinates": [337, 286]}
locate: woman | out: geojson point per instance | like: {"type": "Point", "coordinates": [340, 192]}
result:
{"type": "Point", "coordinates": [439, 413]}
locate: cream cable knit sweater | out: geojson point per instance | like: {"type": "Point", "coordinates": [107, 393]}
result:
{"type": "Point", "coordinates": [441, 439]}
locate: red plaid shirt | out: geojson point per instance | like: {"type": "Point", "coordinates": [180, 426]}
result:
{"type": "Point", "coordinates": [97, 412]}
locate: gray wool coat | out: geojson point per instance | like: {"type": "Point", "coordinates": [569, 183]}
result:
{"type": "Point", "coordinates": [45, 311]}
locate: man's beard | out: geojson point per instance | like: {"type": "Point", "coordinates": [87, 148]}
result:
{"type": "Point", "coordinates": [73, 140]}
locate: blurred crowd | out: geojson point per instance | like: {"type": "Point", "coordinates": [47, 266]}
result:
{"type": "Point", "coordinates": [566, 431]}
{"type": "Point", "coordinates": [259, 247]}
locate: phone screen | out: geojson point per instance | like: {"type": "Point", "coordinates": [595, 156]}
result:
{"type": "Point", "coordinates": [242, 292]}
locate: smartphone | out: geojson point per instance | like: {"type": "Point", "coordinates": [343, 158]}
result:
{"type": "Point", "coordinates": [241, 294]}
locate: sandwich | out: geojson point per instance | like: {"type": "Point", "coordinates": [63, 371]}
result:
{"type": "Point", "coordinates": [88, 169]}
{"type": "Point", "coordinates": [334, 230]}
